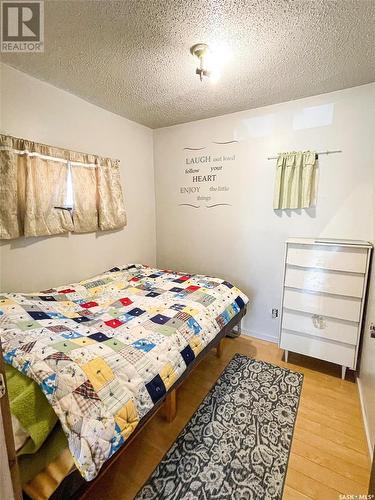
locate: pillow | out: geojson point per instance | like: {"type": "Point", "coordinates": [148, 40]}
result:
{"type": "Point", "coordinates": [30, 407]}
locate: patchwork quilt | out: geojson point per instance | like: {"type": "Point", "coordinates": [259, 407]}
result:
{"type": "Point", "coordinates": [106, 349]}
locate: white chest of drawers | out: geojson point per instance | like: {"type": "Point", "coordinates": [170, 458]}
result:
{"type": "Point", "coordinates": [324, 292]}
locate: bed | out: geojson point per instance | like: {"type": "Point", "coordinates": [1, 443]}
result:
{"type": "Point", "coordinates": [108, 351]}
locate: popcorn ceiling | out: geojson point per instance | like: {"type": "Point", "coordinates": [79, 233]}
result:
{"type": "Point", "coordinates": [132, 57]}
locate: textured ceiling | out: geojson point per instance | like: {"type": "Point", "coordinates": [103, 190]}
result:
{"type": "Point", "coordinates": [132, 57]}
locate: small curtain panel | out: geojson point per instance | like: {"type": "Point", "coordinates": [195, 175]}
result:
{"type": "Point", "coordinates": [46, 190]}
{"type": "Point", "coordinates": [295, 185]}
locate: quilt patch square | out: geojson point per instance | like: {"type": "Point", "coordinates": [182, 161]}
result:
{"type": "Point", "coordinates": [38, 315]}
{"type": "Point", "coordinates": [98, 372]}
{"type": "Point", "coordinates": [125, 318]}
{"type": "Point", "coordinates": [81, 319]}
{"type": "Point", "coordinates": [192, 311]}
{"type": "Point", "coordinates": [125, 301]}
{"type": "Point", "coordinates": [127, 419]}
{"type": "Point", "coordinates": [70, 334]}
{"type": "Point", "coordinates": [227, 284]}
{"type": "Point", "coordinates": [182, 279]}
{"type": "Point", "coordinates": [188, 355]}
{"type": "Point", "coordinates": [82, 355]}
{"type": "Point", "coordinates": [5, 300]}
{"type": "Point", "coordinates": [160, 319]}
{"type": "Point", "coordinates": [196, 344]}
{"type": "Point", "coordinates": [86, 390]}
{"type": "Point", "coordinates": [58, 328]}
{"type": "Point", "coordinates": [28, 325]}
{"type": "Point", "coordinates": [99, 337]}
{"type": "Point", "coordinates": [48, 385]}
{"type": "Point", "coordinates": [47, 298]}
{"type": "Point", "coordinates": [207, 300]}
{"type": "Point", "coordinates": [168, 375]}
{"type": "Point", "coordinates": [136, 311]}
{"type": "Point", "coordinates": [113, 395]}
{"type": "Point", "coordinates": [194, 325]}
{"type": "Point", "coordinates": [114, 344]}
{"type": "Point", "coordinates": [143, 345]}
{"type": "Point", "coordinates": [115, 311]}
{"type": "Point", "coordinates": [83, 341]}
{"type": "Point", "coordinates": [183, 316]}
{"type": "Point", "coordinates": [114, 270]}
{"type": "Point", "coordinates": [175, 323]}
{"type": "Point", "coordinates": [56, 315]}
{"type": "Point", "coordinates": [156, 388]}
{"type": "Point", "coordinates": [177, 307]}
{"type": "Point", "coordinates": [131, 354]}
{"type": "Point", "coordinates": [152, 294]}
{"type": "Point", "coordinates": [113, 323]}
{"type": "Point", "coordinates": [65, 346]}
{"type": "Point", "coordinates": [240, 302]}
{"type": "Point", "coordinates": [221, 321]}
{"type": "Point", "coordinates": [27, 347]}
{"type": "Point", "coordinates": [88, 305]}
{"type": "Point", "coordinates": [85, 405]}
{"type": "Point", "coordinates": [166, 330]}
{"type": "Point", "coordinates": [58, 356]}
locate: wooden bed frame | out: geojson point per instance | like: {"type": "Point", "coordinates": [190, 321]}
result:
{"type": "Point", "coordinates": [74, 486]}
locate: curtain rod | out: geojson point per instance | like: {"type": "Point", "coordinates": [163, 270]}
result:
{"type": "Point", "coordinates": [317, 154]}
{"type": "Point", "coordinates": [51, 158]}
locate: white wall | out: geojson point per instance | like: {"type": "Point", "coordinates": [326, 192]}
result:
{"type": "Point", "coordinates": [245, 242]}
{"type": "Point", "coordinates": [366, 380]}
{"type": "Point", "coordinates": [38, 111]}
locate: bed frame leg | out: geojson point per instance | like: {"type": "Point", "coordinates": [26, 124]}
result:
{"type": "Point", "coordinates": [219, 349]}
{"type": "Point", "coordinates": [170, 406]}
{"type": "Point", "coordinates": [236, 332]}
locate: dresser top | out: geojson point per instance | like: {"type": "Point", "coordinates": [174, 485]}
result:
{"type": "Point", "coordinates": [330, 241]}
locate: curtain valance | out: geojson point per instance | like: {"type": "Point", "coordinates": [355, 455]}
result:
{"type": "Point", "coordinates": [46, 190]}
{"type": "Point", "coordinates": [295, 184]}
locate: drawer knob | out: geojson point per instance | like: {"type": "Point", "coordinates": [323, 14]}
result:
{"type": "Point", "coordinates": [318, 321]}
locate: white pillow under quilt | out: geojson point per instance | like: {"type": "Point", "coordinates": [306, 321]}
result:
{"type": "Point", "coordinates": [20, 435]}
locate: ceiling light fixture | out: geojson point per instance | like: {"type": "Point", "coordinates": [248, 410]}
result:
{"type": "Point", "coordinates": [201, 52]}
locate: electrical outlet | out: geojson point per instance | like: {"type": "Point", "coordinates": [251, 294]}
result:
{"type": "Point", "coordinates": [372, 330]}
{"type": "Point", "coordinates": [275, 313]}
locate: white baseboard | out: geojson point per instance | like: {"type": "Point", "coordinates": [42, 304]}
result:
{"type": "Point", "coordinates": [260, 336]}
{"type": "Point", "coordinates": [364, 416]}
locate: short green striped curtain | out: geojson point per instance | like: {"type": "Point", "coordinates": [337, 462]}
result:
{"type": "Point", "coordinates": [295, 184]}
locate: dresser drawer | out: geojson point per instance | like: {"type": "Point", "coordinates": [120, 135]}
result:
{"type": "Point", "coordinates": [342, 354]}
{"type": "Point", "coordinates": [328, 257]}
{"type": "Point", "coordinates": [321, 326]}
{"type": "Point", "coordinates": [346, 308]}
{"type": "Point", "coordinates": [319, 280]}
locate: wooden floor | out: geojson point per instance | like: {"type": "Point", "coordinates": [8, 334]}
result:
{"type": "Point", "coordinates": [329, 455]}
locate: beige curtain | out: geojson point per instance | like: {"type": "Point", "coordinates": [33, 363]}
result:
{"type": "Point", "coordinates": [33, 190]}
{"type": "Point", "coordinates": [31, 186]}
{"type": "Point", "coordinates": [111, 203]}
{"type": "Point", "coordinates": [295, 184]}
{"type": "Point", "coordinates": [85, 192]}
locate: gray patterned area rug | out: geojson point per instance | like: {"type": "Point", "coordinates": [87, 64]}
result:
{"type": "Point", "coordinates": [237, 444]}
